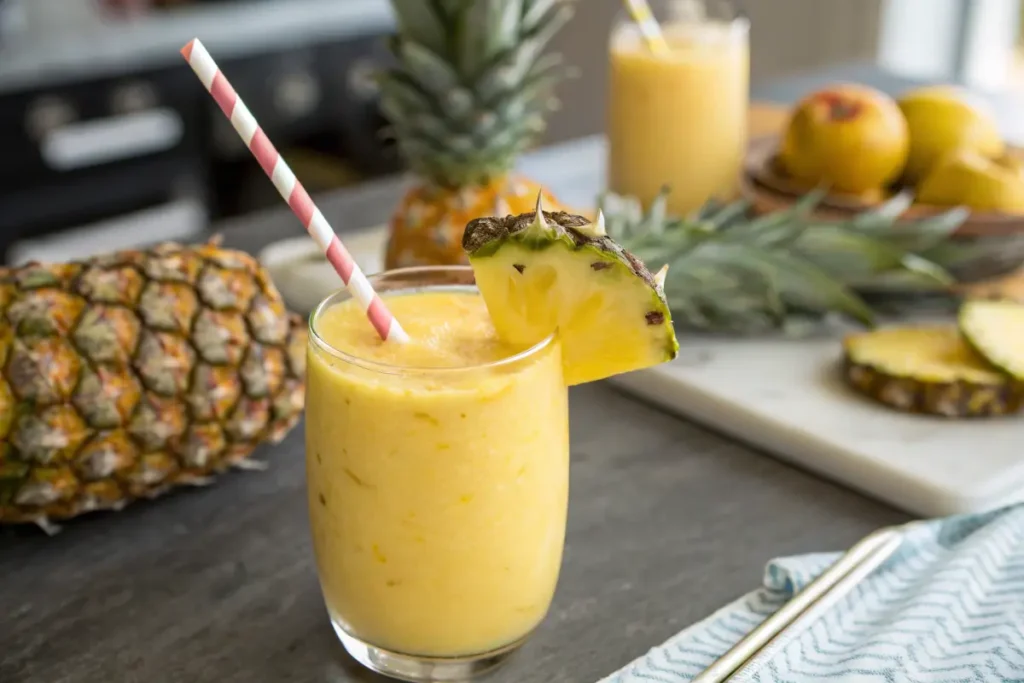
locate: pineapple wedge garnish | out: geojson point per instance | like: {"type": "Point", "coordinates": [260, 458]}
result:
{"type": "Point", "coordinates": [542, 272]}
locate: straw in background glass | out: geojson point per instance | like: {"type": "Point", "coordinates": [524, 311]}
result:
{"type": "Point", "coordinates": [641, 13]}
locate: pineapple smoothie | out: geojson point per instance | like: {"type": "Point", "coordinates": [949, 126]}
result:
{"type": "Point", "coordinates": [438, 474]}
{"type": "Point", "coordinates": [679, 119]}
{"type": "Point", "coordinates": [438, 469]}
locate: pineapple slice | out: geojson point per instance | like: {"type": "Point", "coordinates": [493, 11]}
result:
{"type": "Point", "coordinates": [545, 271]}
{"type": "Point", "coordinates": [995, 329]}
{"type": "Point", "coordinates": [927, 369]}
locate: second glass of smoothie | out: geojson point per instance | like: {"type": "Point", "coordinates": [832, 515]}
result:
{"type": "Point", "coordinates": [438, 477]}
{"type": "Point", "coordinates": [679, 118]}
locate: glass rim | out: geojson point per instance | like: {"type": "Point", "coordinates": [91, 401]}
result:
{"type": "Point", "coordinates": [392, 369]}
{"type": "Point", "coordinates": [739, 22]}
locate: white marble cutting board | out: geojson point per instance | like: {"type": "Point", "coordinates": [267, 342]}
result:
{"type": "Point", "coordinates": [785, 397]}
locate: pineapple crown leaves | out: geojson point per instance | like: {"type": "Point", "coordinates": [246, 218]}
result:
{"type": "Point", "coordinates": [733, 273]}
{"type": "Point", "coordinates": [471, 85]}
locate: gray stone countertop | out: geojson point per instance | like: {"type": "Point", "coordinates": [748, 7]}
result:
{"type": "Point", "coordinates": [667, 522]}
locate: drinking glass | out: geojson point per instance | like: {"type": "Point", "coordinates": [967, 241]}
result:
{"type": "Point", "coordinates": [679, 118]}
{"type": "Point", "coordinates": [437, 496]}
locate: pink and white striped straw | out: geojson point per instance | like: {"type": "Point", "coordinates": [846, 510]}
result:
{"type": "Point", "coordinates": [292, 191]}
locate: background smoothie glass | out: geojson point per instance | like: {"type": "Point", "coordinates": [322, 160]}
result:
{"type": "Point", "coordinates": [438, 475]}
{"type": "Point", "coordinates": [679, 118]}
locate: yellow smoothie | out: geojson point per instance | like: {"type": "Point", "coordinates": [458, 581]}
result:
{"type": "Point", "coordinates": [679, 118]}
{"type": "Point", "coordinates": [437, 496]}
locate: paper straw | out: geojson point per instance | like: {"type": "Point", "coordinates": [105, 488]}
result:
{"type": "Point", "coordinates": [648, 25]}
{"type": "Point", "coordinates": [291, 191]}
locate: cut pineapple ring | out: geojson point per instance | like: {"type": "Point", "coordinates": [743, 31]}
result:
{"type": "Point", "coordinates": [928, 369]}
{"type": "Point", "coordinates": [561, 274]}
{"type": "Point", "coordinates": [931, 355]}
{"type": "Point", "coordinates": [996, 331]}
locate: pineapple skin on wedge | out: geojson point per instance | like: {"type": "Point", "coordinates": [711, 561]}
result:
{"type": "Point", "coordinates": [929, 370]}
{"type": "Point", "coordinates": [545, 271]}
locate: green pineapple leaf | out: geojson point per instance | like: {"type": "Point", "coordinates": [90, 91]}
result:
{"type": "Point", "coordinates": [428, 69]}
{"type": "Point", "coordinates": [887, 211]}
{"type": "Point", "coordinates": [799, 283]}
{"type": "Point", "coordinates": [536, 12]}
{"type": "Point", "coordinates": [403, 97]}
{"type": "Point", "coordinates": [733, 272]}
{"type": "Point", "coordinates": [419, 22]}
{"type": "Point", "coordinates": [853, 256]}
{"type": "Point", "coordinates": [472, 84]}
{"type": "Point", "coordinates": [484, 32]}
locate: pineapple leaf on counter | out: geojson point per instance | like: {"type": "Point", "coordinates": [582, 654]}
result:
{"type": "Point", "coordinates": [831, 247]}
{"type": "Point", "coordinates": [734, 273]}
{"type": "Point", "coordinates": [886, 211]}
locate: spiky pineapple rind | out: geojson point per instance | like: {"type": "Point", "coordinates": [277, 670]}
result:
{"type": "Point", "coordinates": [485, 236]}
{"type": "Point", "coordinates": [979, 322]}
{"type": "Point", "coordinates": [97, 411]}
{"type": "Point", "coordinates": [973, 391]}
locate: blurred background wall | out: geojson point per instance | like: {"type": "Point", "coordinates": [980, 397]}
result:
{"type": "Point", "coordinates": [106, 139]}
{"type": "Point", "coordinates": [787, 36]}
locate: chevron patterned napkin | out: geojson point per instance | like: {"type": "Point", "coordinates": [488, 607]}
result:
{"type": "Point", "coordinates": [947, 607]}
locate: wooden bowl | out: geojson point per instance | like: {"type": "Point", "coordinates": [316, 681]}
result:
{"type": "Point", "coordinates": [768, 188]}
{"type": "Point", "coordinates": [1006, 287]}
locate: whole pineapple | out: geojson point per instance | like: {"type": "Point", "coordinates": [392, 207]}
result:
{"type": "Point", "coordinates": [469, 93]}
{"type": "Point", "coordinates": [128, 373]}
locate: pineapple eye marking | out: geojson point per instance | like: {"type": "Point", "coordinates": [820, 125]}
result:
{"type": "Point", "coordinates": [600, 265]}
{"type": "Point", "coordinates": [427, 417]}
{"type": "Point", "coordinates": [654, 318]}
{"type": "Point", "coordinates": [357, 480]}
{"type": "Point", "coordinates": [520, 267]}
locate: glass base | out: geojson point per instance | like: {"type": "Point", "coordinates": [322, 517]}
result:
{"type": "Point", "coordinates": [419, 669]}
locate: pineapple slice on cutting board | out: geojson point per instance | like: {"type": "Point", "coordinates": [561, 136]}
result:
{"type": "Point", "coordinates": [544, 272]}
{"type": "Point", "coordinates": [127, 374]}
{"type": "Point", "coordinates": [972, 369]}
{"type": "Point", "coordinates": [995, 330]}
{"type": "Point", "coordinates": [930, 370]}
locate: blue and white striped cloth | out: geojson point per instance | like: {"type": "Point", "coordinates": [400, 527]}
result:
{"type": "Point", "coordinates": [947, 607]}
